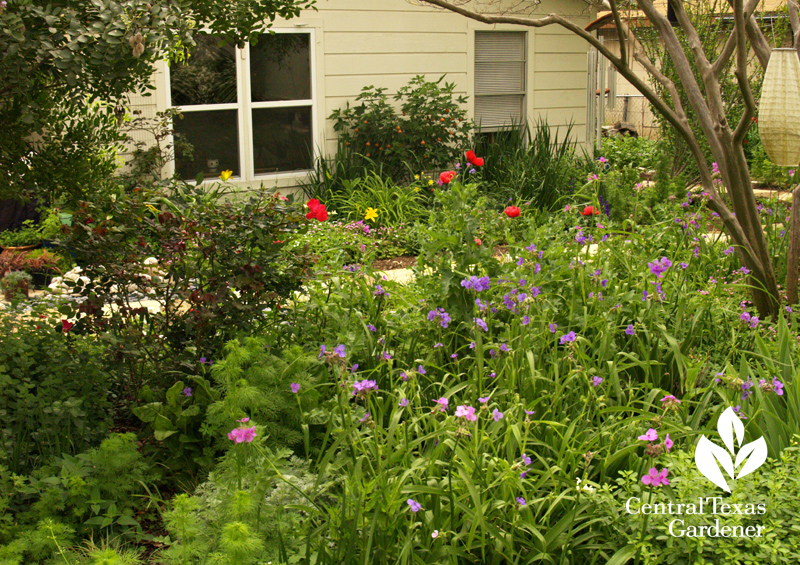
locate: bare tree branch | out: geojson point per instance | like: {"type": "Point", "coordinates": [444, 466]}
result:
{"type": "Point", "coordinates": [758, 42]}
{"type": "Point", "coordinates": [623, 47]}
{"type": "Point", "coordinates": [794, 18]}
{"type": "Point", "coordinates": [739, 17]}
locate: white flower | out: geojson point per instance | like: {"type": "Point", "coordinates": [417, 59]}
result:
{"type": "Point", "coordinates": [435, 534]}
{"type": "Point", "coordinates": [585, 488]}
{"type": "Point", "coordinates": [151, 261]}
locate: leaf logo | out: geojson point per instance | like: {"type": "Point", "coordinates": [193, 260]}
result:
{"type": "Point", "coordinates": [712, 459]}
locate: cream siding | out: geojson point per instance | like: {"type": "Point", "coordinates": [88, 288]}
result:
{"type": "Point", "coordinates": [385, 43]}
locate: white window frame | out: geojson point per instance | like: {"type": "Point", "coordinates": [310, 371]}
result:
{"type": "Point", "coordinates": [245, 106]}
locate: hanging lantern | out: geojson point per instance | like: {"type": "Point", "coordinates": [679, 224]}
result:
{"type": "Point", "coordinates": [779, 111]}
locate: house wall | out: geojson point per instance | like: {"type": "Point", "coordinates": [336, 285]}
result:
{"type": "Point", "coordinates": [386, 43]}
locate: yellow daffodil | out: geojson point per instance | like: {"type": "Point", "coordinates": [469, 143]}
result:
{"type": "Point", "coordinates": [225, 175]}
{"type": "Point", "coordinates": [372, 214]}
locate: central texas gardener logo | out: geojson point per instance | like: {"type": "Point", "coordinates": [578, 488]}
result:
{"type": "Point", "coordinates": [711, 459]}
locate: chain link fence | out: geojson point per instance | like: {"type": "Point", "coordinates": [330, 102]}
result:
{"type": "Point", "coordinates": [635, 110]}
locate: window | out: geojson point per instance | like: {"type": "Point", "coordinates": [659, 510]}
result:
{"type": "Point", "coordinates": [250, 111]}
{"type": "Point", "coordinates": [499, 79]}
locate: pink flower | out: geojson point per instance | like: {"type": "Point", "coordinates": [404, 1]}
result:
{"type": "Point", "coordinates": [656, 478]}
{"type": "Point", "coordinates": [668, 443]}
{"type": "Point", "coordinates": [467, 412]}
{"type": "Point", "coordinates": [240, 435]}
{"type": "Point", "coordinates": [651, 435]}
{"type": "Point", "coordinates": [443, 402]}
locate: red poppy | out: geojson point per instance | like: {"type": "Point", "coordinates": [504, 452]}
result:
{"type": "Point", "coordinates": [589, 210]}
{"type": "Point", "coordinates": [476, 161]}
{"type": "Point", "coordinates": [478, 241]}
{"type": "Point", "coordinates": [66, 325]}
{"type": "Point", "coordinates": [317, 211]}
{"type": "Point", "coordinates": [447, 176]}
{"type": "Point", "coordinates": [512, 211]}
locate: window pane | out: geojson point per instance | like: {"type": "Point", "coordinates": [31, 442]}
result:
{"type": "Point", "coordinates": [280, 67]}
{"type": "Point", "coordinates": [214, 135]}
{"type": "Point", "coordinates": [282, 139]}
{"type": "Point", "coordinates": [208, 78]}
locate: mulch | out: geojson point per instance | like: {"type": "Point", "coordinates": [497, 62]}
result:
{"type": "Point", "coordinates": [408, 261]}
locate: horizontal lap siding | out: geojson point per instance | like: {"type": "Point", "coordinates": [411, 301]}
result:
{"type": "Point", "coordinates": [385, 44]}
{"type": "Point", "coordinates": [560, 77]}
{"type": "Point", "coordinates": [139, 106]}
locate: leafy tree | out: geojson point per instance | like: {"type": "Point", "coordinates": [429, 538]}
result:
{"type": "Point", "coordinates": [66, 64]}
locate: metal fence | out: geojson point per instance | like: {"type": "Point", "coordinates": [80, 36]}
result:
{"type": "Point", "coordinates": [635, 110]}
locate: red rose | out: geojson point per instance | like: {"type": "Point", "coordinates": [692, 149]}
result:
{"type": "Point", "coordinates": [512, 211]}
{"type": "Point", "coordinates": [447, 176]}
{"type": "Point", "coordinates": [476, 161]}
{"type": "Point", "coordinates": [66, 325]}
{"type": "Point", "coordinates": [589, 210]}
{"type": "Point", "coordinates": [317, 211]}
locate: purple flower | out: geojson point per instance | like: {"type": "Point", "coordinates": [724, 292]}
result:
{"type": "Point", "coordinates": [778, 386]}
{"type": "Point", "coordinates": [403, 403]}
{"type": "Point", "coordinates": [295, 387]}
{"type": "Point", "coordinates": [481, 324]}
{"type": "Point", "coordinates": [438, 344]}
{"type": "Point", "coordinates": [187, 391]}
{"type": "Point", "coordinates": [386, 356]}
{"type": "Point", "coordinates": [415, 506]}
{"type": "Point", "coordinates": [525, 459]}
{"type": "Point", "coordinates": [570, 337]}
{"type": "Point", "coordinates": [520, 501]}
{"type": "Point", "coordinates": [354, 368]}
{"type": "Point", "coordinates": [379, 290]}
{"type": "Point", "coordinates": [202, 360]}
{"type": "Point", "coordinates": [596, 381]}
{"type": "Point", "coordinates": [630, 330]}
{"type": "Point", "coordinates": [526, 320]}
{"type": "Point", "coordinates": [658, 268]}
{"type": "Point", "coordinates": [497, 415]}
{"type": "Point", "coordinates": [472, 345]}
{"type": "Point", "coordinates": [364, 386]}
{"type": "Point", "coordinates": [503, 347]}
{"type": "Point", "coordinates": [483, 399]}
{"type": "Point", "coordinates": [339, 350]}
{"type": "Point", "coordinates": [372, 328]}
{"type": "Point", "coordinates": [454, 356]}
{"type": "Point", "coordinates": [421, 370]}
{"type": "Point", "coordinates": [364, 418]}
{"type": "Point", "coordinates": [644, 296]}
{"type": "Point", "coordinates": [530, 412]}
{"type": "Point", "coordinates": [321, 352]}
{"type": "Point", "coordinates": [441, 315]}
{"type": "Point", "coordinates": [553, 328]}
{"type": "Point", "coordinates": [537, 268]}
{"type": "Point", "coordinates": [651, 435]}
{"type": "Point", "coordinates": [477, 284]}
{"type": "Point", "coordinates": [728, 251]}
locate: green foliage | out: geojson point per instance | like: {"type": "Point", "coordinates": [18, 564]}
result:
{"type": "Point", "coordinates": [219, 267]}
{"type": "Point", "coordinates": [29, 234]}
{"type": "Point", "coordinates": [238, 515]}
{"type": "Point", "coordinates": [191, 427]}
{"type": "Point", "coordinates": [772, 485]}
{"type": "Point", "coordinates": [531, 164]}
{"type": "Point", "coordinates": [395, 205]}
{"type": "Point", "coordinates": [624, 151]}
{"type": "Point", "coordinates": [52, 390]}
{"type": "Point", "coordinates": [769, 174]}
{"type": "Point", "coordinates": [59, 58]}
{"type": "Point", "coordinates": [430, 133]}
{"type": "Point", "coordinates": [90, 493]}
